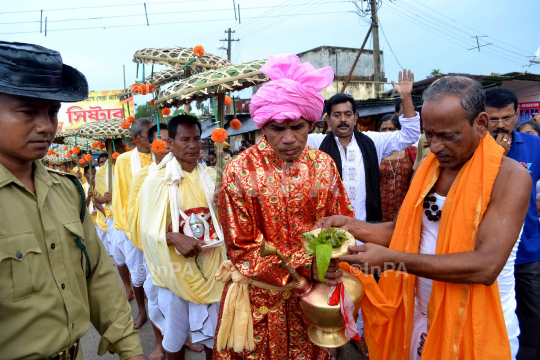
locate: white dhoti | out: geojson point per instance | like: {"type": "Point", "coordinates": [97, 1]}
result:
{"type": "Point", "coordinates": [202, 320]}
{"type": "Point", "coordinates": [116, 239]}
{"type": "Point", "coordinates": [151, 290]}
{"type": "Point", "coordinates": [135, 263]}
{"type": "Point", "coordinates": [103, 237]}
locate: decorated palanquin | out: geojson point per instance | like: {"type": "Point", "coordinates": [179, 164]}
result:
{"type": "Point", "coordinates": [264, 199]}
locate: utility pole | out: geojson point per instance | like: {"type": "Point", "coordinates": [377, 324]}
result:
{"type": "Point", "coordinates": [229, 40]}
{"type": "Point", "coordinates": [376, 53]}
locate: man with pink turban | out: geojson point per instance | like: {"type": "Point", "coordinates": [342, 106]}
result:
{"type": "Point", "coordinates": [274, 191]}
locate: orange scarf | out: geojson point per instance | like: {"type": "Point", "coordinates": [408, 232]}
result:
{"type": "Point", "coordinates": [465, 321]}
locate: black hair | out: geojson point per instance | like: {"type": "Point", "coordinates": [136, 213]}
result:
{"type": "Point", "coordinates": [87, 169]}
{"type": "Point", "coordinates": [398, 105]}
{"type": "Point", "coordinates": [235, 152]}
{"type": "Point", "coordinates": [227, 150]}
{"type": "Point", "coordinates": [182, 120]}
{"type": "Point", "coordinates": [153, 131]}
{"type": "Point", "coordinates": [102, 155]}
{"type": "Point", "coordinates": [532, 123]}
{"type": "Point", "coordinates": [339, 99]}
{"type": "Point", "coordinates": [391, 117]}
{"type": "Point", "coordinates": [501, 97]}
{"type": "Point", "coordinates": [211, 152]}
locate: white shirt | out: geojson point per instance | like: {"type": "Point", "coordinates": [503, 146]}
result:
{"type": "Point", "coordinates": [352, 164]}
{"type": "Point", "coordinates": [505, 282]}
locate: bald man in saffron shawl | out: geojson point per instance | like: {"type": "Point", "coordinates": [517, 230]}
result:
{"type": "Point", "coordinates": [274, 191]}
{"type": "Point", "coordinates": [453, 245]}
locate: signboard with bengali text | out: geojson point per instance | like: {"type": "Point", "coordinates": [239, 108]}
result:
{"type": "Point", "coordinates": [100, 106]}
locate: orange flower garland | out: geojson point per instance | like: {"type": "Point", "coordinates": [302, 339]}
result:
{"type": "Point", "coordinates": [136, 89]}
{"type": "Point", "coordinates": [130, 119]}
{"type": "Point", "coordinates": [87, 157]}
{"type": "Point", "coordinates": [153, 102]}
{"type": "Point", "coordinates": [76, 150]}
{"type": "Point", "coordinates": [134, 143]}
{"type": "Point", "coordinates": [68, 155]}
{"type": "Point", "coordinates": [198, 50]}
{"type": "Point", "coordinates": [101, 146]}
{"type": "Point", "coordinates": [115, 155]}
{"type": "Point", "coordinates": [127, 148]}
{"type": "Point", "coordinates": [63, 167]}
{"type": "Point", "coordinates": [57, 155]}
{"type": "Point", "coordinates": [65, 147]}
{"type": "Point", "coordinates": [235, 124]}
{"type": "Point", "coordinates": [228, 100]}
{"type": "Point", "coordinates": [166, 111]}
{"type": "Point", "coordinates": [124, 125]}
{"type": "Point", "coordinates": [159, 146]}
{"type": "Point", "coordinates": [95, 144]}
{"type": "Point", "coordinates": [68, 170]}
{"type": "Point", "coordinates": [81, 161]}
{"type": "Point", "coordinates": [144, 90]}
{"type": "Point", "coordinates": [151, 88]}
{"type": "Point", "coordinates": [219, 135]}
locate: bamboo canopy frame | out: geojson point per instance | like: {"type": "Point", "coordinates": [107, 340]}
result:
{"type": "Point", "coordinates": [210, 84]}
{"type": "Point", "coordinates": [178, 57]}
{"type": "Point", "coordinates": [108, 130]}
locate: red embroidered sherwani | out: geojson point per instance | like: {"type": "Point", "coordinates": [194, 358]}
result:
{"type": "Point", "coordinates": [260, 200]}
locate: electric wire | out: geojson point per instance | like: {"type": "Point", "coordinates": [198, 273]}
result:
{"type": "Point", "coordinates": [385, 38]}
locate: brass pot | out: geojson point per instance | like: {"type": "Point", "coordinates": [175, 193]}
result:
{"type": "Point", "coordinates": [326, 322]}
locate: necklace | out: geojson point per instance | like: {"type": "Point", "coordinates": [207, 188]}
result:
{"type": "Point", "coordinates": [429, 204]}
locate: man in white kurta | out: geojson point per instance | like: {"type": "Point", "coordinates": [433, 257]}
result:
{"type": "Point", "coordinates": [181, 266]}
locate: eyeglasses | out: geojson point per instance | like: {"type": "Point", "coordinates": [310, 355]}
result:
{"type": "Point", "coordinates": [505, 120]}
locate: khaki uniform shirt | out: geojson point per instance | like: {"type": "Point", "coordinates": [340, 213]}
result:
{"type": "Point", "coordinates": [46, 303]}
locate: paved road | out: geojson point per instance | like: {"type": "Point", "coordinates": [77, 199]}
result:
{"type": "Point", "coordinates": [90, 342]}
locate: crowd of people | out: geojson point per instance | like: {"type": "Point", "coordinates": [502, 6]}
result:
{"type": "Point", "coordinates": [442, 203]}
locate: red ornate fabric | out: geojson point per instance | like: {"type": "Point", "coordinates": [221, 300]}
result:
{"type": "Point", "coordinates": [263, 200]}
{"type": "Point", "coordinates": [392, 195]}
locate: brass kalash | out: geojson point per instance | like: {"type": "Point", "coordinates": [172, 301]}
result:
{"type": "Point", "coordinates": [326, 328]}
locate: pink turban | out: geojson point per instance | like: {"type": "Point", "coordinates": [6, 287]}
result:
{"type": "Point", "coordinates": [293, 92]}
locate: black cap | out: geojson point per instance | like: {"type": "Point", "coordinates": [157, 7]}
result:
{"type": "Point", "coordinates": [37, 72]}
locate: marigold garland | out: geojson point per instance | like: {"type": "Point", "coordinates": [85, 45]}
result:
{"type": "Point", "coordinates": [76, 150]}
{"type": "Point", "coordinates": [166, 111]}
{"type": "Point", "coordinates": [57, 155]}
{"type": "Point", "coordinates": [130, 119]}
{"type": "Point", "coordinates": [127, 148]}
{"type": "Point", "coordinates": [68, 170]}
{"type": "Point", "coordinates": [134, 143]}
{"type": "Point", "coordinates": [144, 90]}
{"type": "Point", "coordinates": [65, 147]}
{"type": "Point", "coordinates": [219, 135]}
{"type": "Point", "coordinates": [68, 155]}
{"type": "Point", "coordinates": [133, 86]}
{"type": "Point", "coordinates": [115, 155]}
{"type": "Point", "coordinates": [198, 50]}
{"type": "Point", "coordinates": [228, 100]}
{"type": "Point", "coordinates": [95, 144]}
{"type": "Point", "coordinates": [159, 146]}
{"type": "Point", "coordinates": [87, 157]}
{"type": "Point", "coordinates": [63, 167]}
{"type": "Point", "coordinates": [101, 146]}
{"type": "Point", "coordinates": [151, 88]}
{"type": "Point", "coordinates": [50, 167]}
{"type": "Point", "coordinates": [124, 125]}
{"type": "Point", "coordinates": [81, 161]}
{"type": "Point", "coordinates": [153, 102]}
{"type": "Point", "coordinates": [136, 89]}
{"type": "Point", "coordinates": [235, 124]}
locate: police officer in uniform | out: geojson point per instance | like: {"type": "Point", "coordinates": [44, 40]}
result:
{"type": "Point", "coordinates": [55, 275]}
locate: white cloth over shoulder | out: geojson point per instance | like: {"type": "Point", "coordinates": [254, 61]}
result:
{"type": "Point", "coordinates": [135, 162]}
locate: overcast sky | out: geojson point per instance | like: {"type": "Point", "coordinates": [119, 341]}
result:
{"type": "Point", "coordinates": [424, 34]}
